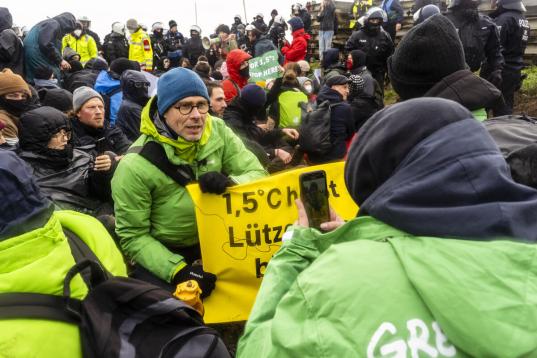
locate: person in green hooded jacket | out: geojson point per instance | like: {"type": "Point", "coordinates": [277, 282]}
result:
{"type": "Point", "coordinates": [155, 217]}
{"type": "Point", "coordinates": [35, 257]}
{"type": "Point", "coordinates": [440, 262]}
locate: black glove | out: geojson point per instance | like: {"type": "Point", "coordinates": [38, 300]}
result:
{"type": "Point", "coordinates": [214, 182]}
{"type": "Point", "coordinates": [206, 280]}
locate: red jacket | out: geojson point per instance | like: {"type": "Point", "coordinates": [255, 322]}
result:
{"type": "Point", "coordinates": [298, 49]}
{"type": "Point", "coordinates": [230, 85]}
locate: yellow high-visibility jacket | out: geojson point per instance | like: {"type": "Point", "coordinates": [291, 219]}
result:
{"type": "Point", "coordinates": [85, 46]}
{"type": "Point", "coordinates": [140, 49]}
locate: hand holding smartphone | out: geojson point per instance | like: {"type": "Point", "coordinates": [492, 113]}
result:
{"type": "Point", "coordinates": [314, 196]}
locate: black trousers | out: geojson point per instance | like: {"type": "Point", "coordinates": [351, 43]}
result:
{"type": "Point", "coordinates": [510, 84]}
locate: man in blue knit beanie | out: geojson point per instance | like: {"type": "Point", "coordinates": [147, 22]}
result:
{"type": "Point", "coordinates": [180, 143]}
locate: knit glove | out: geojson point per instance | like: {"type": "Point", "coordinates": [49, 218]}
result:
{"type": "Point", "coordinates": [214, 182]}
{"type": "Point", "coordinates": [206, 280]}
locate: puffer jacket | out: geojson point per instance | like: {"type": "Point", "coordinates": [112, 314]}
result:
{"type": "Point", "coordinates": [154, 214]}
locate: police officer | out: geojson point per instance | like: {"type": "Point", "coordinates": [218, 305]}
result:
{"type": "Point", "coordinates": [480, 39]}
{"type": "Point", "coordinates": [158, 44]}
{"type": "Point", "coordinates": [374, 41]}
{"type": "Point", "coordinates": [514, 33]}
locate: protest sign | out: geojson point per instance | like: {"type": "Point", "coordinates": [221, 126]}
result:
{"type": "Point", "coordinates": [264, 67]}
{"type": "Point", "coordinates": [240, 231]}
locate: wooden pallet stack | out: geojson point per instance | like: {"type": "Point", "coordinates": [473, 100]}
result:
{"type": "Point", "coordinates": [343, 12]}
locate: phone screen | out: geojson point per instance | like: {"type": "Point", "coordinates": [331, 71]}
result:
{"type": "Point", "coordinates": [314, 196]}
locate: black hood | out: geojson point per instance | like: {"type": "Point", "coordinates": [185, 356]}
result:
{"type": "Point", "coordinates": [39, 125]}
{"type": "Point", "coordinates": [67, 22]}
{"type": "Point", "coordinates": [465, 88]}
{"type": "Point", "coordinates": [6, 21]}
{"type": "Point", "coordinates": [330, 57]}
{"type": "Point", "coordinates": [427, 167]}
{"type": "Point", "coordinates": [129, 80]}
{"type": "Point", "coordinates": [328, 94]}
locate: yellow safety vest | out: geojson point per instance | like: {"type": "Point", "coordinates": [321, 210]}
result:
{"type": "Point", "coordinates": [358, 10]}
{"type": "Point", "coordinates": [140, 49]}
{"type": "Point", "coordinates": [85, 46]}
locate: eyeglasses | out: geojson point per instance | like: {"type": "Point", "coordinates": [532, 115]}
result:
{"type": "Point", "coordinates": [186, 108]}
{"type": "Point", "coordinates": [62, 134]}
{"type": "Point", "coordinates": [140, 85]}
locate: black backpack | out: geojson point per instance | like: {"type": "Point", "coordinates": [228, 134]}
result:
{"type": "Point", "coordinates": [120, 316]}
{"type": "Point", "coordinates": [516, 136]}
{"type": "Point", "coordinates": [315, 130]}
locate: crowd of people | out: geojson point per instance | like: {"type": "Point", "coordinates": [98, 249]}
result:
{"type": "Point", "coordinates": [101, 138]}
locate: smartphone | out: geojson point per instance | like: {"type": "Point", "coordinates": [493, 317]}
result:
{"type": "Point", "coordinates": [100, 146]}
{"type": "Point", "coordinates": [314, 196]}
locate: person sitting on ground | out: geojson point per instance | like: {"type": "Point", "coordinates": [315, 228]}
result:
{"type": "Point", "coordinates": [203, 69]}
{"type": "Point", "coordinates": [365, 94]}
{"type": "Point", "coordinates": [239, 72]}
{"type": "Point", "coordinates": [155, 218]}
{"type": "Point", "coordinates": [35, 257]}
{"type": "Point", "coordinates": [285, 98]}
{"type": "Point", "coordinates": [247, 117]}
{"type": "Point", "coordinates": [402, 276]}
{"type": "Point", "coordinates": [331, 65]}
{"type": "Point", "coordinates": [44, 79]}
{"type": "Point", "coordinates": [108, 84]}
{"type": "Point", "coordinates": [67, 176]}
{"type": "Point", "coordinates": [135, 89]}
{"type": "Point", "coordinates": [217, 99]}
{"type": "Point", "coordinates": [57, 98]}
{"type": "Point", "coordinates": [305, 71]}
{"type": "Point", "coordinates": [15, 99]}
{"type": "Point", "coordinates": [91, 132]}
{"type": "Point", "coordinates": [336, 91]}
{"type": "Point", "coordinates": [87, 76]}
{"type": "Point", "coordinates": [438, 69]}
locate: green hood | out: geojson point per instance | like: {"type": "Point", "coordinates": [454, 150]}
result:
{"type": "Point", "coordinates": [153, 126]}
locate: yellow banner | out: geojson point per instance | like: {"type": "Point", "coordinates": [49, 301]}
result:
{"type": "Point", "coordinates": [240, 230]}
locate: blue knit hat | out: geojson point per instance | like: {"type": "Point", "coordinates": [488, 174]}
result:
{"type": "Point", "coordinates": [253, 96]}
{"type": "Point", "coordinates": [296, 23]}
{"type": "Point", "coordinates": [177, 84]}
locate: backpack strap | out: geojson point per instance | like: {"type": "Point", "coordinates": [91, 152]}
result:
{"type": "Point", "coordinates": [34, 306]}
{"type": "Point", "coordinates": [155, 154]}
{"type": "Point", "coordinates": [80, 251]}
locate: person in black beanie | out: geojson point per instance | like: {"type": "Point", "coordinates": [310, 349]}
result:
{"type": "Point", "coordinates": [247, 117]}
{"type": "Point", "coordinates": [57, 98]}
{"type": "Point", "coordinates": [135, 96]}
{"type": "Point", "coordinates": [429, 62]}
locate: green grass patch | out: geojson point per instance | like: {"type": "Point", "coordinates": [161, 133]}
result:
{"type": "Point", "coordinates": [529, 86]}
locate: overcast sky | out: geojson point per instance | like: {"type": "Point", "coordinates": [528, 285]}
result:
{"type": "Point", "coordinates": [104, 13]}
